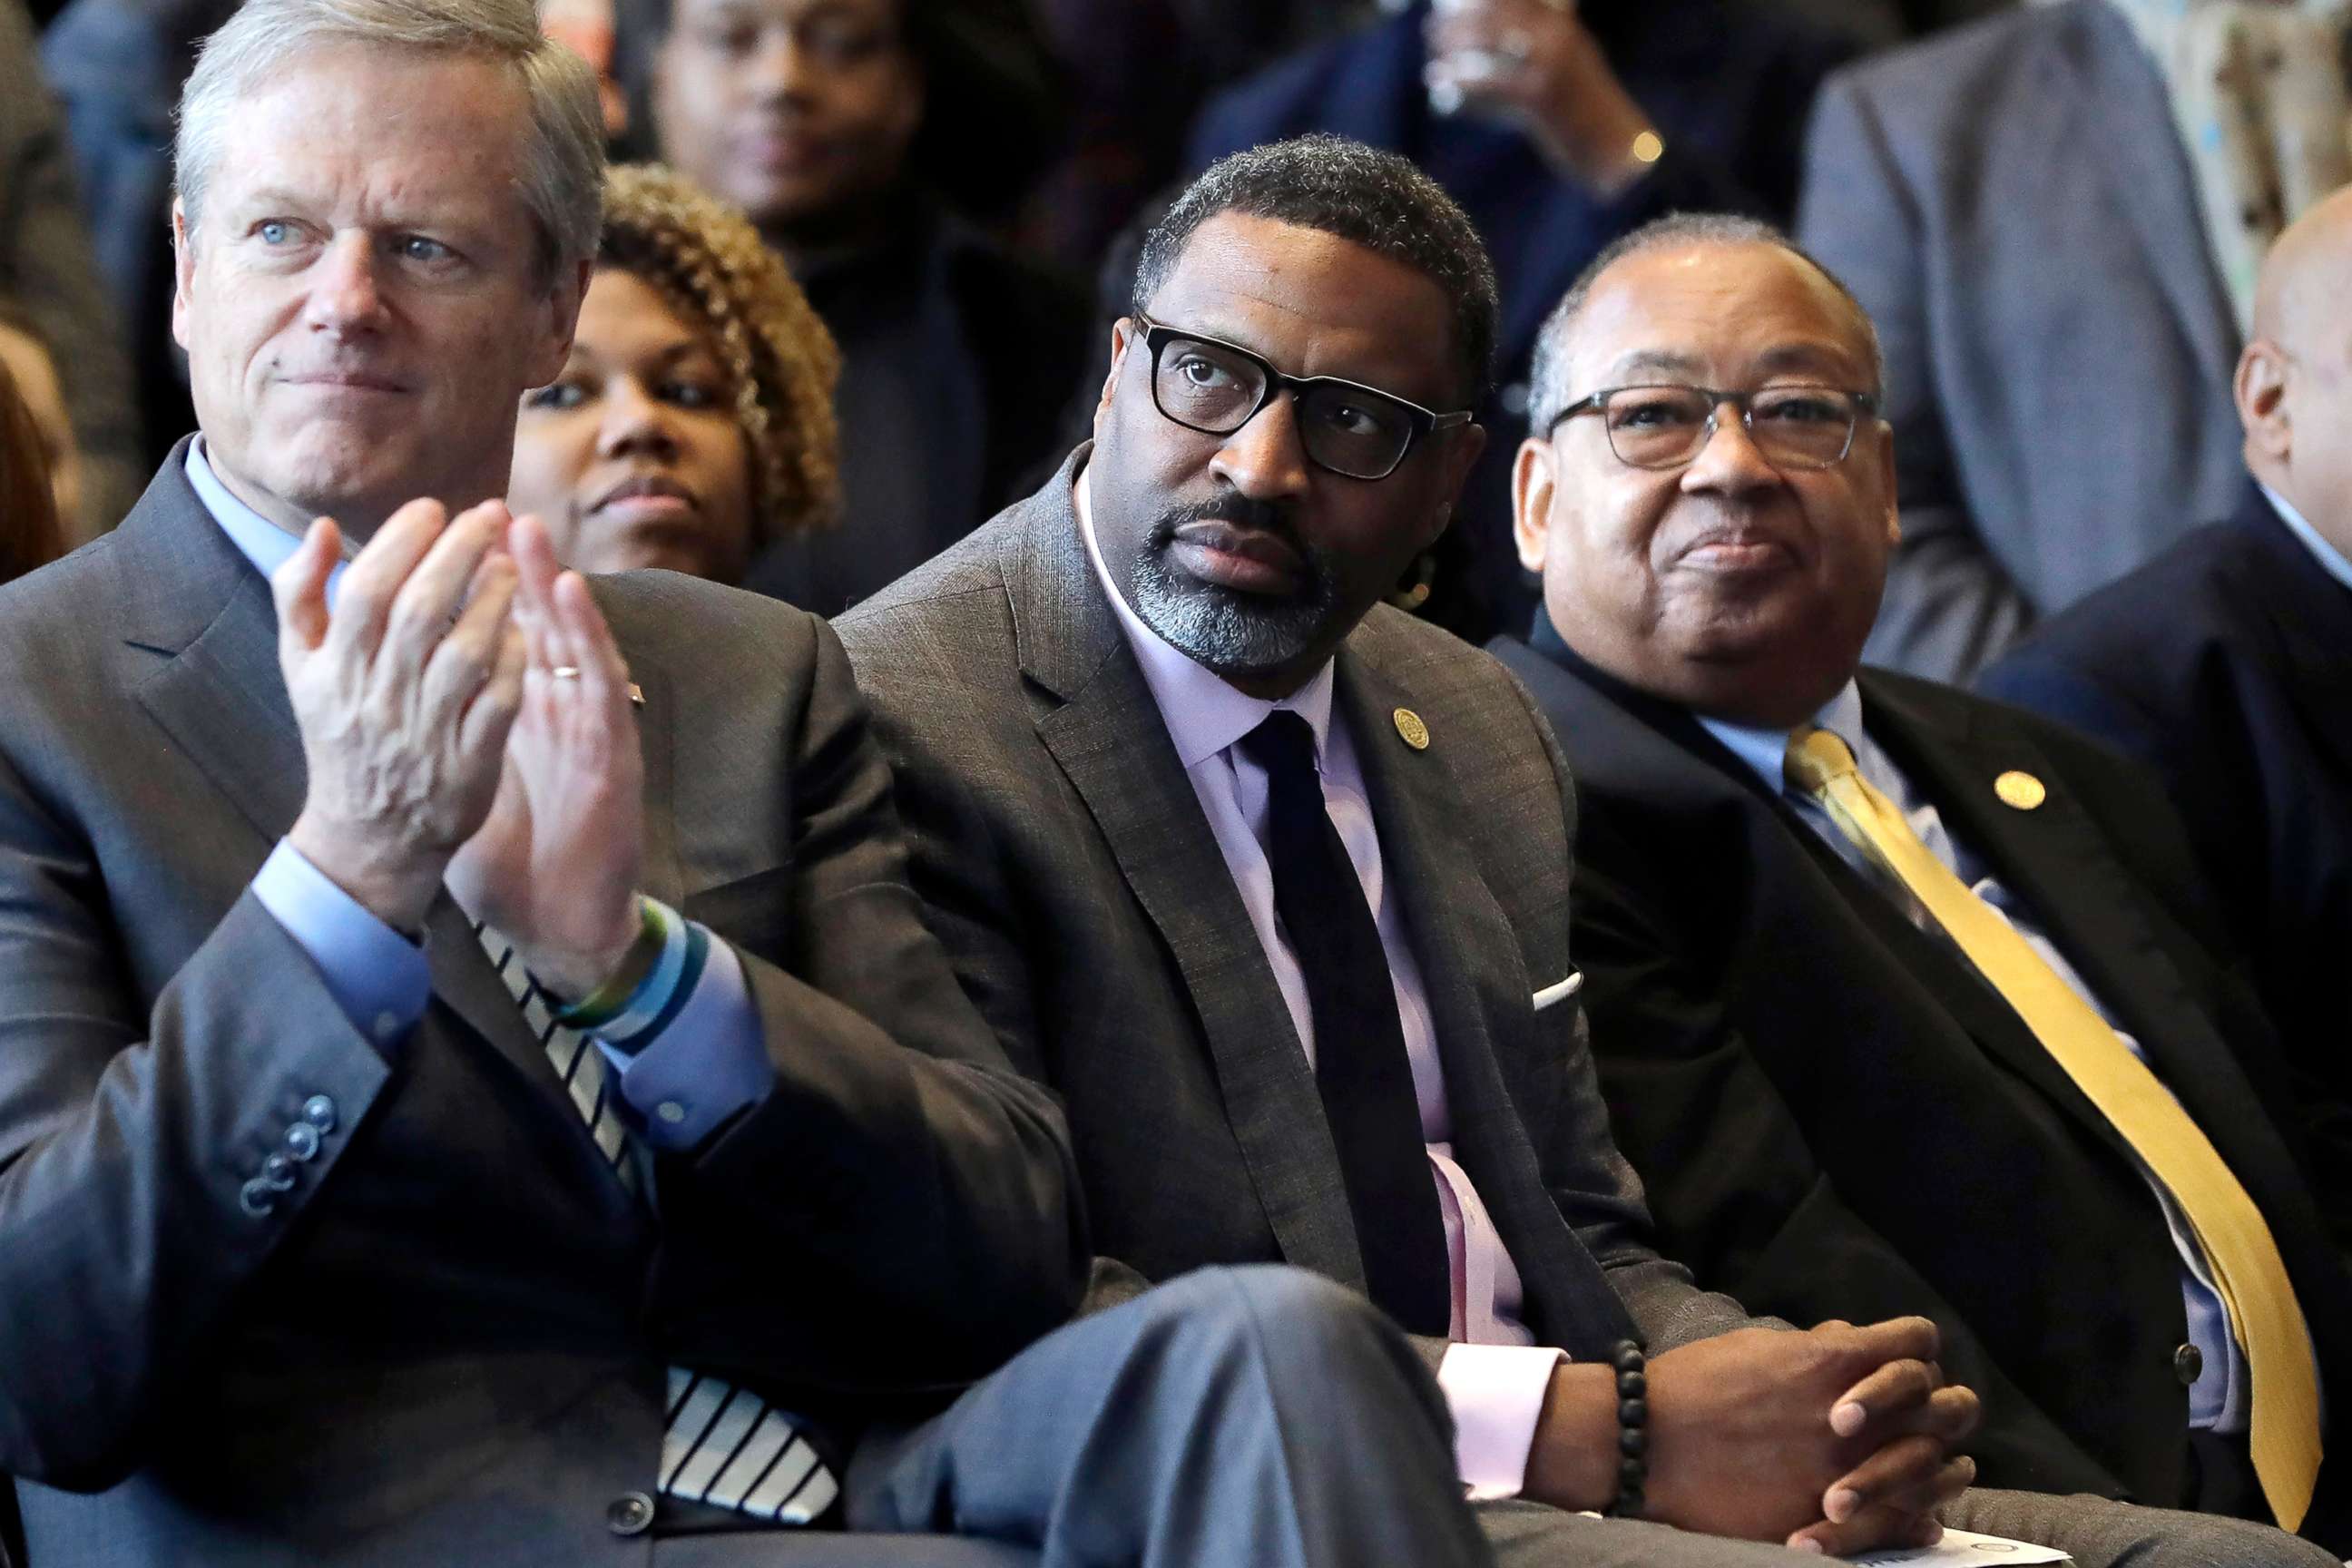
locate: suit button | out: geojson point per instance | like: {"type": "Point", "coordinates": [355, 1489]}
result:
{"type": "Point", "coordinates": [278, 1174]}
{"type": "Point", "coordinates": [2188, 1365]}
{"type": "Point", "coordinates": [631, 1513]}
{"type": "Point", "coordinates": [302, 1142]}
{"type": "Point", "coordinates": [255, 1198]}
{"type": "Point", "coordinates": [320, 1112]}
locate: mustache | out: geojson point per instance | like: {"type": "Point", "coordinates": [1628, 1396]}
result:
{"type": "Point", "coordinates": [1276, 518]}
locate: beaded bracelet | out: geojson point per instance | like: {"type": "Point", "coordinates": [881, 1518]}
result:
{"type": "Point", "coordinates": [1632, 1428]}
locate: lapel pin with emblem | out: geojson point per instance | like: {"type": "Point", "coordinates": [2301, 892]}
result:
{"type": "Point", "coordinates": [2020, 790]}
{"type": "Point", "coordinates": [1412, 730]}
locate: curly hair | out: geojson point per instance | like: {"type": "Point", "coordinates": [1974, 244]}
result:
{"type": "Point", "coordinates": [705, 258]}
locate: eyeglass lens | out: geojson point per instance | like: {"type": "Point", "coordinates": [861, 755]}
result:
{"type": "Point", "coordinates": [1348, 430]}
{"type": "Point", "coordinates": [1798, 427]}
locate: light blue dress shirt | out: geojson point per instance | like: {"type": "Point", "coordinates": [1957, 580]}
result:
{"type": "Point", "coordinates": [709, 1062]}
{"type": "Point", "coordinates": [2331, 560]}
{"type": "Point", "coordinates": [2217, 1400]}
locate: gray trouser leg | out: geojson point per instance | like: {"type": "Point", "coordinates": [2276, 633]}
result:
{"type": "Point", "coordinates": [1246, 1416]}
{"type": "Point", "coordinates": [2097, 1533]}
{"type": "Point", "coordinates": [2103, 1534]}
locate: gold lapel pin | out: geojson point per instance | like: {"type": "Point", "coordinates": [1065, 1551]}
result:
{"type": "Point", "coordinates": [2020, 790]}
{"type": "Point", "coordinates": [1412, 730]}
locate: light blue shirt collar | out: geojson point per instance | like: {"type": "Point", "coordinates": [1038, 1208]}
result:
{"type": "Point", "coordinates": [2331, 560]}
{"type": "Point", "coordinates": [257, 539]}
{"type": "Point", "coordinates": [1764, 750]}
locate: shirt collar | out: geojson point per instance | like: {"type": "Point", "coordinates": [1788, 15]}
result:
{"type": "Point", "coordinates": [1204, 714]}
{"type": "Point", "coordinates": [2331, 560]}
{"type": "Point", "coordinates": [1765, 749]}
{"type": "Point", "coordinates": [258, 539]}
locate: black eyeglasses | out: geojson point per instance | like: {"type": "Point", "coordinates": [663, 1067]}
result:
{"type": "Point", "coordinates": [1666, 427]}
{"type": "Point", "coordinates": [1216, 387]}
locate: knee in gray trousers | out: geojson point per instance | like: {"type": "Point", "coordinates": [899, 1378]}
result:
{"type": "Point", "coordinates": [1235, 1416]}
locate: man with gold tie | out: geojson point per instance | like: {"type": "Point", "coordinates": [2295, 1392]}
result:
{"type": "Point", "coordinates": [1903, 1001]}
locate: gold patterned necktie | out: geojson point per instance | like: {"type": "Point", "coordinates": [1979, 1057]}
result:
{"type": "Point", "coordinates": [2247, 1268]}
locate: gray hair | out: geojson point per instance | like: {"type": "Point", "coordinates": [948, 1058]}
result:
{"type": "Point", "coordinates": [1547, 376]}
{"type": "Point", "coordinates": [563, 179]}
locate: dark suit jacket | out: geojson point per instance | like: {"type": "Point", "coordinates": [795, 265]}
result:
{"type": "Point", "coordinates": [2226, 666]}
{"type": "Point", "coordinates": [448, 1343]}
{"type": "Point", "coordinates": [1838, 1118]}
{"type": "Point", "coordinates": [1083, 899]}
{"type": "Point", "coordinates": [1729, 83]}
{"type": "Point", "coordinates": [2011, 203]}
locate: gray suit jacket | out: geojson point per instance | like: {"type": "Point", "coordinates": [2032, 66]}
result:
{"type": "Point", "coordinates": [1083, 899]}
{"type": "Point", "coordinates": [2011, 203]}
{"type": "Point", "coordinates": [448, 1343]}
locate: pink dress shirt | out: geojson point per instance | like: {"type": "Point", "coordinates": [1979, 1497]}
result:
{"type": "Point", "coordinates": [1492, 1377]}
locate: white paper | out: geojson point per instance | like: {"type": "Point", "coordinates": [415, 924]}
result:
{"type": "Point", "coordinates": [1561, 992]}
{"type": "Point", "coordinates": [1961, 1546]}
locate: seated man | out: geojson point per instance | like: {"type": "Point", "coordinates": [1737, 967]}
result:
{"type": "Point", "coordinates": [1270, 882]}
{"type": "Point", "coordinates": [1889, 985]}
{"type": "Point", "coordinates": [2226, 666]}
{"type": "Point", "coordinates": [474, 1084]}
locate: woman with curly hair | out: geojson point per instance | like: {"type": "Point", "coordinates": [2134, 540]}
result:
{"type": "Point", "coordinates": [693, 425]}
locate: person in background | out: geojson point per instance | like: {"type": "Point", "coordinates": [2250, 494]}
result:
{"type": "Point", "coordinates": [862, 137]}
{"type": "Point", "coordinates": [1558, 128]}
{"type": "Point", "coordinates": [693, 424]}
{"type": "Point", "coordinates": [30, 536]}
{"type": "Point", "coordinates": [2055, 216]}
{"type": "Point", "coordinates": [1903, 1001]}
{"type": "Point", "coordinates": [2225, 665]}
{"type": "Point", "coordinates": [50, 279]}
{"type": "Point", "coordinates": [40, 402]}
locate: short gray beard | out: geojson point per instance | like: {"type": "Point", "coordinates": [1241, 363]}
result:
{"type": "Point", "coordinates": [1225, 631]}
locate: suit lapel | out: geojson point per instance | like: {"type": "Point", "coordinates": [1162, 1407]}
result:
{"type": "Point", "coordinates": [1107, 739]}
{"type": "Point", "coordinates": [2100, 68]}
{"type": "Point", "coordinates": [2057, 861]}
{"type": "Point", "coordinates": [1480, 999]}
{"type": "Point", "coordinates": [2311, 614]}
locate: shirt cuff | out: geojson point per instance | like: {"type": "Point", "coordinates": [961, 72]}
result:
{"type": "Point", "coordinates": [691, 1053]}
{"type": "Point", "coordinates": [379, 978]}
{"type": "Point", "coordinates": [1497, 1394]}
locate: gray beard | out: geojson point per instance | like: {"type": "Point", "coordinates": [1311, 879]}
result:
{"type": "Point", "coordinates": [1223, 631]}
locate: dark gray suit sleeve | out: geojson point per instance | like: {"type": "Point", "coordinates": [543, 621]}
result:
{"type": "Point", "coordinates": [898, 1143]}
{"type": "Point", "coordinates": [126, 1140]}
{"type": "Point", "coordinates": [1950, 605]}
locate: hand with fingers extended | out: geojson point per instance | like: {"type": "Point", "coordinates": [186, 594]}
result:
{"type": "Point", "coordinates": [1836, 1440]}
{"type": "Point", "coordinates": [554, 865]}
{"type": "Point", "coordinates": [404, 693]}
{"type": "Point", "coordinates": [1535, 65]}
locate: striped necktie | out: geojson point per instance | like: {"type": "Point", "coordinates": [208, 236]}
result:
{"type": "Point", "coordinates": [2235, 1237]}
{"type": "Point", "coordinates": [721, 1445]}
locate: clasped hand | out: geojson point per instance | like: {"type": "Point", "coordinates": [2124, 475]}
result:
{"type": "Point", "coordinates": [1836, 1440]}
{"type": "Point", "coordinates": [465, 717]}
{"type": "Point", "coordinates": [1533, 64]}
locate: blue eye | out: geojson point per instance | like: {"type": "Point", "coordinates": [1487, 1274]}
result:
{"type": "Point", "coordinates": [416, 248]}
{"type": "Point", "coordinates": [273, 232]}
{"type": "Point", "coordinates": [557, 395]}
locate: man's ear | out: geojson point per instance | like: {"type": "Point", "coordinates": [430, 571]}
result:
{"type": "Point", "coordinates": [1885, 436]}
{"type": "Point", "coordinates": [2260, 387]}
{"type": "Point", "coordinates": [1533, 478]}
{"type": "Point", "coordinates": [184, 267]}
{"type": "Point", "coordinates": [562, 305]}
{"type": "Point", "coordinates": [1123, 336]}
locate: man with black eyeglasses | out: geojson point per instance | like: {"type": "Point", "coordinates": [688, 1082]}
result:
{"type": "Point", "coordinates": [1901, 1000]}
{"type": "Point", "coordinates": [1269, 881]}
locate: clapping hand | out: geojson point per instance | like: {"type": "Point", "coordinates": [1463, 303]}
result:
{"type": "Point", "coordinates": [403, 694]}
{"type": "Point", "coordinates": [554, 865]}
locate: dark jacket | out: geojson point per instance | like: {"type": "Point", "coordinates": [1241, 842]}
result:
{"type": "Point", "coordinates": [1837, 1116]}
{"type": "Point", "coordinates": [2225, 665]}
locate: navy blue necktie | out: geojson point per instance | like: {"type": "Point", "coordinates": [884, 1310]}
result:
{"type": "Point", "coordinates": [1360, 1065]}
